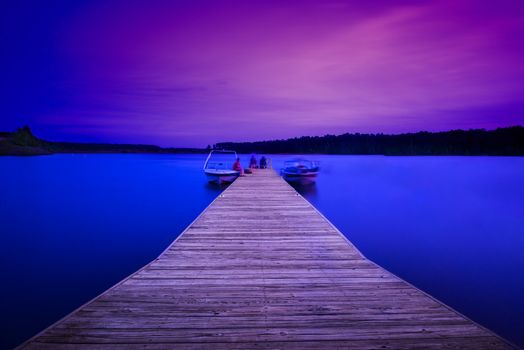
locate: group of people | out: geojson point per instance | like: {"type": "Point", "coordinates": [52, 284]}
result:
{"type": "Point", "coordinates": [252, 164]}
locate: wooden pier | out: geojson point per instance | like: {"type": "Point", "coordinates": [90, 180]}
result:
{"type": "Point", "coordinates": [261, 268]}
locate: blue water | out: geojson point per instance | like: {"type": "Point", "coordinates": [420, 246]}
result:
{"type": "Point", "coordinates": [73, 225]}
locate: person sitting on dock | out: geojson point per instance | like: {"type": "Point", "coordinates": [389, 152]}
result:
{"type": "Point", "coordinates": [253, 162]}
{"type": "Point", "coordinates": [263, 163]}
{"type": "Point", "coordinates": [238, 167]}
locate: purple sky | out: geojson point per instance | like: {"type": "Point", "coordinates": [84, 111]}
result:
{"type": "Point", "coordinates": [192, 73]}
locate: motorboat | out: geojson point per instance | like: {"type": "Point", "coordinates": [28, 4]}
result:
{"type": "Point", "coordinates": [219, 166]}
{"type": "Point", "coordinates": [301, 171]}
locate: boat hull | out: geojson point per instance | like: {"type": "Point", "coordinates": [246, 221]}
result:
{"type": "Point", "coordinates": [303, 179]}
{"type": "Point", "coordinates": [221, 178]}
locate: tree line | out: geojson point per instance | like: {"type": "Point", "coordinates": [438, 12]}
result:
{"type": "Point", "coordinates": [24, 142]}
{"type": "Point", "coordinates": [502, 141]}
{"type": "Point", "coordinates": [499, 142]}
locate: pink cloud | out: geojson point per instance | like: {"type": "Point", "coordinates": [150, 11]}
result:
{"type": "Point", "coordinates": [203, 74]}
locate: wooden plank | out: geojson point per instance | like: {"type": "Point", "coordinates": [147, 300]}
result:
{"type": "Point", "coordinates": [260, 268]}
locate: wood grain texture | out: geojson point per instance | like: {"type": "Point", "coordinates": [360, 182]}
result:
{"type": "Point", "coordinates": [262, 269]}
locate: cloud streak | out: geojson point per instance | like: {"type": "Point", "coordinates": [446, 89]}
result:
{"type": "Point", "coordinates": [199, 72]}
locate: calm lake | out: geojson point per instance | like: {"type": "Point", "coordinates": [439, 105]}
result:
{"type": "Point", "coordinates": [73, 225]}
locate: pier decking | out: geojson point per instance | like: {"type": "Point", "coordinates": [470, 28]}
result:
{"type": "Point", "coordinates": [261, 269]}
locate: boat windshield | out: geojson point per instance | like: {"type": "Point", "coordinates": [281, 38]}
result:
{"type": "Point", "coordinates": [220, 160]}
{"type": "Point", "coordinates": [300, 163]}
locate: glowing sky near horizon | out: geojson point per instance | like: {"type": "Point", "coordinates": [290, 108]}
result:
{"type": "Point", "coordinates": [192, 72]}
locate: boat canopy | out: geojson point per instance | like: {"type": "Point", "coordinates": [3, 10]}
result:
{"type": "Point", "coordinates": [300, 163]}
{"type": "Point", "coordinates": [220, 160]}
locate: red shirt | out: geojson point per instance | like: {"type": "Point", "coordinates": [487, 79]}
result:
{"type": "Point", "coordinates": [237, 166]}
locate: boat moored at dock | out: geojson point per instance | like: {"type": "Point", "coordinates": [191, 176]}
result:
{"type": "Point", "coordinates": [219, 166]}
{"type": "Point", "coordinates": [300, 171]}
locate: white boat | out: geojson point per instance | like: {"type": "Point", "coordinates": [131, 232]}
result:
{"type": "Point", "coordinates": [219, 166]}
{"type": "Point", "coordinates": [301, 171]}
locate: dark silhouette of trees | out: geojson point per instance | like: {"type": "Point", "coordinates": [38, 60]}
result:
{"type": "Point", "coordinates": [24, 137]}
{"type": "Point", "coordinates": [23, 142]}
{"type": "Point", "coordinates": [499, 142]}
{"type": "Point", "coordinates": [502, 141]}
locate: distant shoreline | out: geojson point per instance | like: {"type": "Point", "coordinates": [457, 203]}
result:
{"type": "Point", "coordinates": [22, 142]}
{"type": "Point", "coordinates": [477, 142]}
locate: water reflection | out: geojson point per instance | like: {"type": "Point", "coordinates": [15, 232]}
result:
{"type": "Point", "coordinates": [215, 187]}
{"type": "Point", "coordinates": [307, 190]}
{"type": "Point", "coordinates": [450, 225]}
{"type": "Point", "coordinates": [105, 215]}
